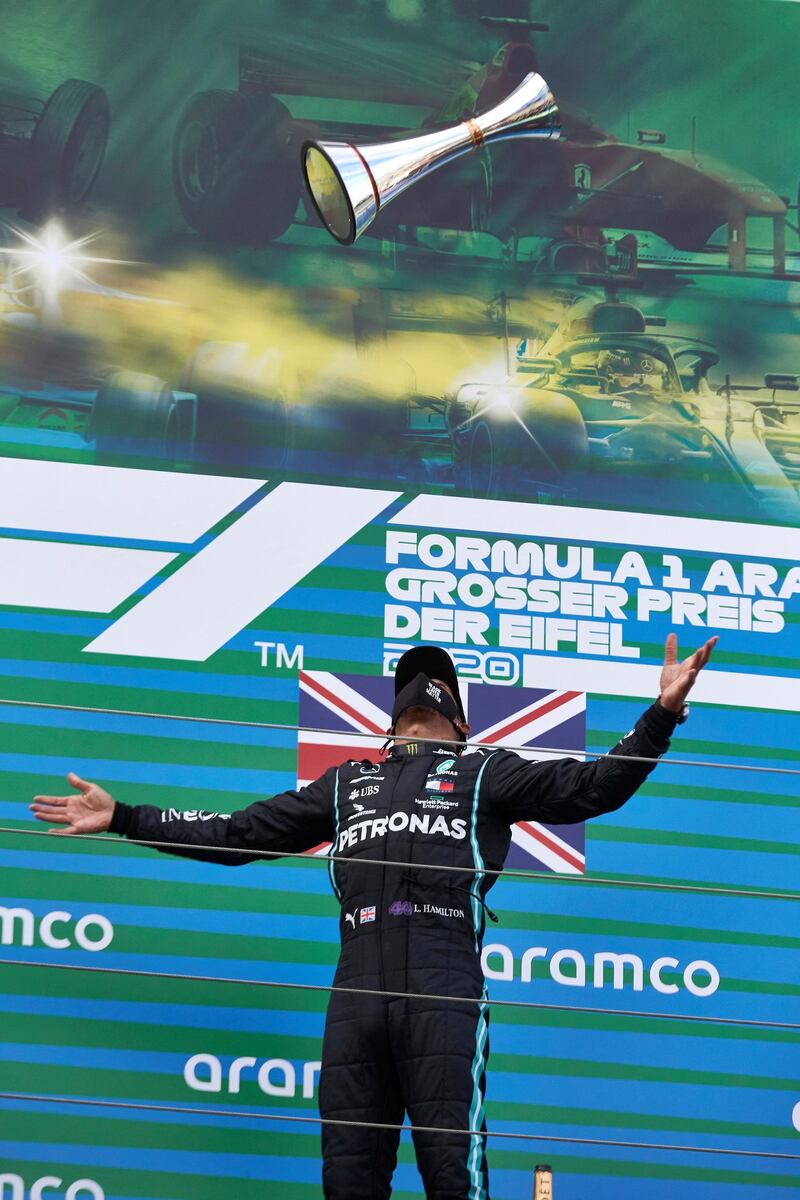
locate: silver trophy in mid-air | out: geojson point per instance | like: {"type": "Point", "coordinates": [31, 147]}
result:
{"type": "Point", "coordinates": [350, 184]}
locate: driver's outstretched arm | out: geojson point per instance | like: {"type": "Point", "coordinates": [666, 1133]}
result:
{"type": "Point", "coordinates": [566, 791]}
{"type": "Point", "coordinates": [292, 821]}
{"type": "Point", "coordinates": [562, 791]}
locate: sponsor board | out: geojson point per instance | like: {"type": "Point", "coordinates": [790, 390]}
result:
{"type": "Point", "coordinates": [623, 970]}
{"type": "Point", "coordinates": [274, 1076]}
{"type": "Point", "coordinates": [203, 554]}
{"type": "Point", "coordinates": [528, 578]}
{"type": "Point", "coordinates": [14, 1187]}
{"type": "Point", "coordinates": [58, 930]}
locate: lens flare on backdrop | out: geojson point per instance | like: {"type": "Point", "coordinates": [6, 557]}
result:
{"type": "Point", "coordinates": [51, 261]}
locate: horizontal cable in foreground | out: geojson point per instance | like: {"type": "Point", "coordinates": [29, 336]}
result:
{"type": "Point", "coordinates": [549, 877]}
{"type": "Point", "coordinates": [249, 1115]}
{"type": "Point", "coordinates": [558, 752]}
{"type": "Point", "coordinates": [322, 987]}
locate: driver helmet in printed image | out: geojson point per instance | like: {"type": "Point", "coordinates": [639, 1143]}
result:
{"type": "Point", "coordinates": [625, 368]}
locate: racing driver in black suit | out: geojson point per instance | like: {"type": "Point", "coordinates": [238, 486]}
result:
{"type": "Point", "coordinates": [411, 928]}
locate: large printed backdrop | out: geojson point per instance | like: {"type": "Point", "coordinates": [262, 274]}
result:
{"type": "Point", "coordinates": [547, 413]}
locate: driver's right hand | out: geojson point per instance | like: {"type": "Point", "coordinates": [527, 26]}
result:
{"type": "Point", "coordinates": [88, 810]}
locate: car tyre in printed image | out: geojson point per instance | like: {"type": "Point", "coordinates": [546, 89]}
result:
{"type": "Point", "coordinates": [136, 415]}
{"type": "Point", "coordinates": [241, 420]}
{"type": "Point", "coordinates": [231, 166]}
{"type": "Point", "coordinates": [497, 455]}
{"type": "Point", "coordinates": [68, 144]}
{"type": "Point", "coordinates": [491, 464]}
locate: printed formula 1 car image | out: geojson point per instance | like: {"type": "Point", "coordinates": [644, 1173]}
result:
{"type": "Point", "coordinates": [51, 150]}
{"type": "Point", "coordinates": [611, 408]}
{"type": "Point", "coordinates": [395, 387]}
{"type": "Point", "coordinates": [57, 385]}
{"type": "Point", "coordinates": [59, 393]}
{"type": "Point", "coordinates": [100, 373]}
{"type": "Point", "coordinates": [236, 175]}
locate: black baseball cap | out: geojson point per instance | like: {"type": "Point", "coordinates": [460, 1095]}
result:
{"type": "Point", "coordinates": [432, 661]}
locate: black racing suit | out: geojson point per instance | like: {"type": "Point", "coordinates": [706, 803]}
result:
{"type": "Point", "coordinates": [409, 929]}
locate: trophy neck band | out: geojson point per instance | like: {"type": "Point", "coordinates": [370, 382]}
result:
{"type": "Point", "coordinates": [475, 133]}
{"type": "Point", "coordinates": [371, 177]}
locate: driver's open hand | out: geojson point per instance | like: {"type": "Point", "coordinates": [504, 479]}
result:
{"type": "Point", "coordinates": [678, 678]}
{"type": "Point", "coordinates": [87, 810]}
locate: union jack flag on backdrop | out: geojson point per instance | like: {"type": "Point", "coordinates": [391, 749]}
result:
{"type": "Point", "coordinates": [348, 707]}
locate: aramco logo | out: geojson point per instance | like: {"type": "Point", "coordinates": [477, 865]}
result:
{"type": "Point", "coordinates": [12, 1187]}
{"type": "Point", "coordinates": [274, 1076]}
{"type": "Point", "coordinates": [570, 968]}
{"type": "Point", "coordinates": [18, 927]}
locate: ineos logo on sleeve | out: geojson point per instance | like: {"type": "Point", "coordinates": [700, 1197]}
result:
{"type": "Point", "coordinates": [190, 814]}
